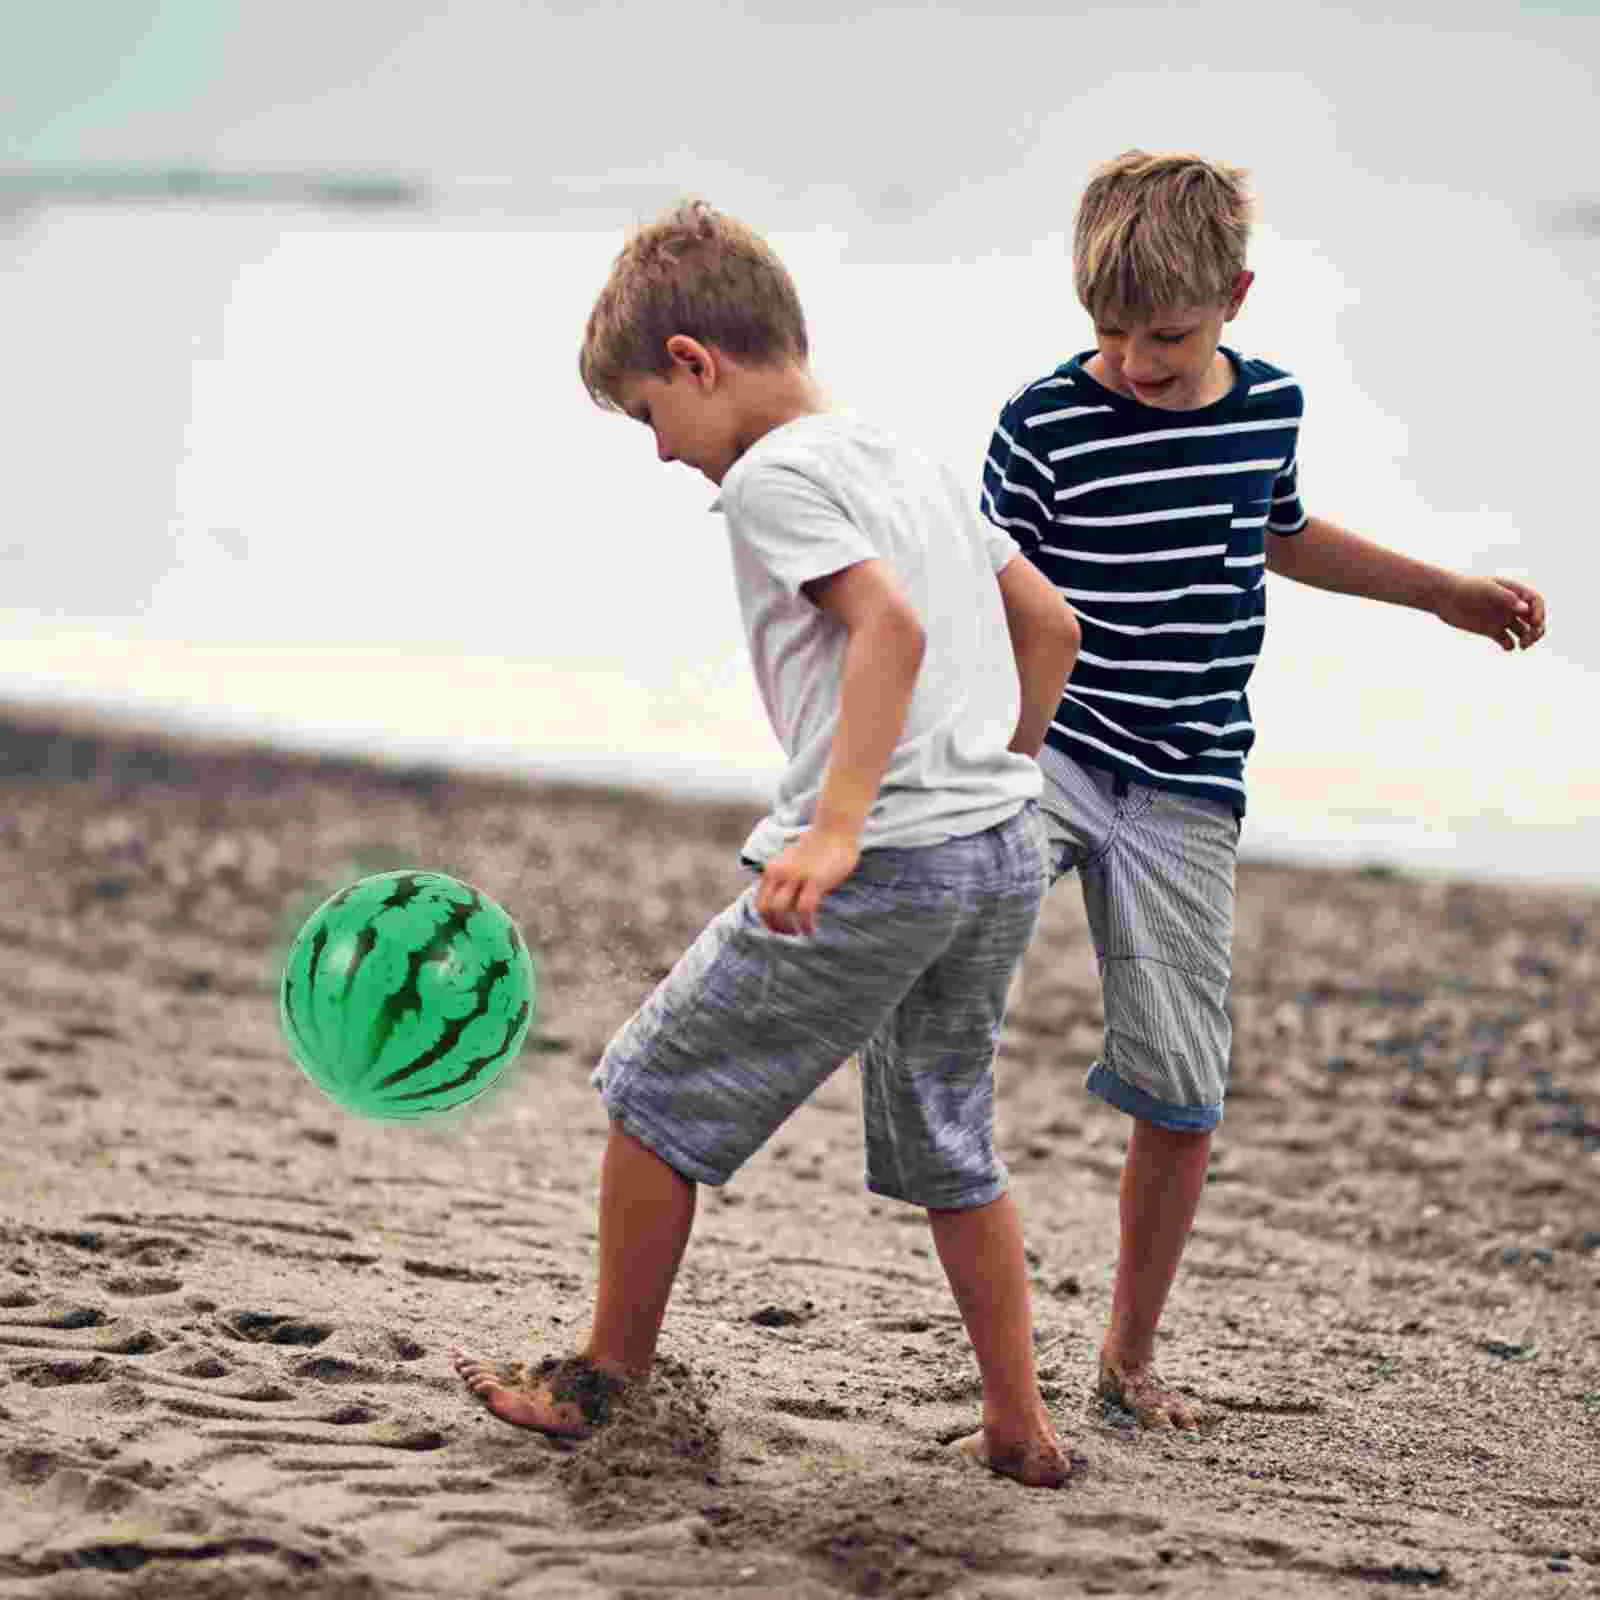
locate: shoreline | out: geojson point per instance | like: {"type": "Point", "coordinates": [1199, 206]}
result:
{"type": "Point", "coordinates": [204, 745]}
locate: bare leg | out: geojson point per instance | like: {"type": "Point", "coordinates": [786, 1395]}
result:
{"type": "Point", "coordinates": [981, 1250]}
{"type": "Point", "coordinates": [646, 1214]}
{"type": "Point", "coordinates": [1162, 1180]}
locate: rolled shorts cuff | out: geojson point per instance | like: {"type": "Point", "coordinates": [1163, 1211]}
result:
{"type": "Point", "coordinates": [1133, 1100]}
{"type": "Point", "coordinates": [659, 1142]}
{"type": "Point", "coordinates": [965, 1200]}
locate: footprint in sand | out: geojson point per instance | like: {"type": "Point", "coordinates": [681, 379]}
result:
{"type": "Point", "coordinates": [272, 1327]}
{"type": "Point", "coordinates": [132, 1286]}
{"type": "Point", "coordinates": [448, 1272]}
{"type": "Point", "coordinates": [53, 1374]}
{"type": "Point", "coordinates": [336, 1369]}
{"type": "Point", "coordinates": [72, 1318]}
{"type": "Point", "coordinates": [1126, 1522]}
{"type": "Point", "coordinates": [783, 1316]}
{"type": "Point", "coordinates": [206, 1367]}
{"type": "Point", "coordinates": [811, 1410]}
{"type": "Point", "coordinates": [348, 1416]}
{"type": "Point", "coordinates": [394, 1438]}
{"type": "Point", "coordinates": [912, 1324]}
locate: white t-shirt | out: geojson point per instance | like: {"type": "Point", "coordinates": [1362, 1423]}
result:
{"type": "Point", "coordinates": [820, 494]}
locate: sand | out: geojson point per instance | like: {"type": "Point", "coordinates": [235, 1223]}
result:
{"type": "Point", "coordinates": [225, 1305]}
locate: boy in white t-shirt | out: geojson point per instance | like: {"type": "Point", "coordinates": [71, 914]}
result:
{"type": "Point", "coordinates": [900, 870]}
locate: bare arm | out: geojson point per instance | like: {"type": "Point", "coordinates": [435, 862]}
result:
{"type": "Point", "coordinates": [1326, 556]}
{"type": "Point", "coordinates": [881, 662]}
{"type": "Point", "coordinates": [1044, 639]}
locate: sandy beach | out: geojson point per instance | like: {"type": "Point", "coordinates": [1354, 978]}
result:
{"type": "Point", "coordinates": [225, 1305]}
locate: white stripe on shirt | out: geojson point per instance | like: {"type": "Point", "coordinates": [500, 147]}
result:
{"type": "Point", "coordinates": [1187, 552]}
{"type": "Point", "coordinates": [1205, 470]}
{"type": "Point", "coordinates": [1032, 460]}
{"type": "Point", "coordinates": [1165, 666]}
{"type": "Point", "coordinates": [1172, 627]}
{"type": "Point", "coordinates": [1137, 596]}
{"type": "Point", "coordinates": [1138, 738]}
{"type": "Point", "coordinates": [1060, 416]}
{"type": "Point", "coordinates": [1216, 430]}
{"type": "Point", "coordinates": [1157, 700]}
{"type": "Point", "coordinates": [1122, 755]}
{"type": "Point", "coordinates": [1018, 488]}
{"type": "Point", "coordinates": [993, 514]}
{"type": "Point", "coordinates": [1176, 514]}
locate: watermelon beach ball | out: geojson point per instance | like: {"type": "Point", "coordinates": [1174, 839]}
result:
{"type": "Point", "coordinates": [407, 994]}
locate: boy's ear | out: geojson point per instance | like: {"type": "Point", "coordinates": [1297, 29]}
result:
{"type": "Point", "coordinates": [691, 358]}
{"type": "Point", "coordinates": [1241, 287]}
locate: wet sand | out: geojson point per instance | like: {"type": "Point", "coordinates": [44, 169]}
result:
{"type": "Point", "coordinates": [225, 1306]}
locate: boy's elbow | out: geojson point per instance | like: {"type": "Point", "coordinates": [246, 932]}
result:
{"type": "Point", "coordinates": [902, 631]}
{"type": "Point", "coordinates": [1064, 634]}
{"type": "Point", "coordinates": [916, 638]}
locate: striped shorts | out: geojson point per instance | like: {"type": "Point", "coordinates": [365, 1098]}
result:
{"type": "Point", "coordinates": [909, 970]}
{"type": "Point", "coordinates": [1157, 872]}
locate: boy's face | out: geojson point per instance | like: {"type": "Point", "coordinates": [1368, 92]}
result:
{"type": "Point", "coordinates": [1169, 360]}
{"type": "Point", "coordinates": [688, 411]}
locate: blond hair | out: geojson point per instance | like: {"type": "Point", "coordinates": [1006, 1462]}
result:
{"type": "Point", "coordinates": [692, 271]}
{"type": "Point", "coordinates": [1157, 231]}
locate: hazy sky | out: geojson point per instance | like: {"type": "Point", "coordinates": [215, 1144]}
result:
{"type": "Point", "coordinates": [902, 107]}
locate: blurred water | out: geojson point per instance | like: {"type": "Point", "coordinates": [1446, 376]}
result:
{"type": "Point", "coordinates": [335, 481]}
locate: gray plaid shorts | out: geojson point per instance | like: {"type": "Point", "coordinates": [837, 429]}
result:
{"type": "Point", "coordinates": [1157, 871]}
{"type": "Point", "coordinates": [909, 970]}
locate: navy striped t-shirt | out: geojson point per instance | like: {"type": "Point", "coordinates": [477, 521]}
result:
{"type": "Point", "coordinates": [1153, 526]}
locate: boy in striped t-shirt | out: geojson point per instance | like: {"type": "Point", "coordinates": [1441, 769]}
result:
{"type": "Point", "coordinates": [1154, 480]}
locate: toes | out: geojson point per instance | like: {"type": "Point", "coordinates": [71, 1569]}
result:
{"type": "Point", "coordinates": [480, 1377]}
{"type": "Point", "coordinates": [1041, 1464]}
{"type": "Point", "coordinates": [1168, 1411]}
{"type": "Point", "coordinates": [470, 1368]}
{"type": "Point", "coordinates": [1153, 1404]}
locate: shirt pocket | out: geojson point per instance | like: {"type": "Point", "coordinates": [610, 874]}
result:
{"type": "Point", "coordinates": [1245, 563]}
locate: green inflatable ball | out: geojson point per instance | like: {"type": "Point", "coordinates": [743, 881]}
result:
{"type": "Point", "coordinates": [406, 995]}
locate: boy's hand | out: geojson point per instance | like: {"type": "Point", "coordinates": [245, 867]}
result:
{"type": "Point", "coordinates": [796, 880]}
{"type": "Point", "coordinates": [1501, 609]}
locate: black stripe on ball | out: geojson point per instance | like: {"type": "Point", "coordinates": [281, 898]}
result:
{"type": "Point", "coordinates": [473, 1069]}
{"type": "Point", "coordinates": [453, 1030]}
{"type": "Point", "coordinates": [408, 997]}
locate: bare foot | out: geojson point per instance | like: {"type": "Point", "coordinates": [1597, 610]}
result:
{"type": "Point", "coordinates": [1139, 1390]}
{"type": "Point", "coordinates": [1038, 1463]}
{"type": "Point", "coordinates": [536, 1407]}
